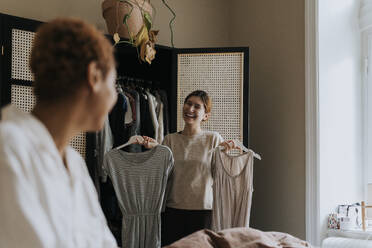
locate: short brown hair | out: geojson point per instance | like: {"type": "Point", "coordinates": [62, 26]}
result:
{"type": "Point", "coordinates": [61, 53]}
{"type": "Point", "coordinates": [207, 102]}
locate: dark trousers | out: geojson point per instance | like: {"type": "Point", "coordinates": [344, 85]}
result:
{"type": "Point", "coordinates": [178, 223]}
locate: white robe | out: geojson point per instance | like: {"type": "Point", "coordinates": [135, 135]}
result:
{"type": "Point", "coordinates": [41, 203]}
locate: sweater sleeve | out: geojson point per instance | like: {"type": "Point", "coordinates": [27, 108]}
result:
{"type": "Point", "coordinates": [217, 139]}
{"type": "Point", "coordinates": [166, 141]}
{"type": "Point", "coordinates": [169, 172]}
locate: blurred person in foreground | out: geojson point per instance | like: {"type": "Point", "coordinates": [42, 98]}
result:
{"type": "Point", "coordinates": [47, 198]}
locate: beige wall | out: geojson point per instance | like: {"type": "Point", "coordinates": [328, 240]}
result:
{"type": "Point", "coordinates": [45, 10]}
{"type": "Point", "coordinates": [198, 23]}
{"type": "Point", "coordinates": [274, 30]}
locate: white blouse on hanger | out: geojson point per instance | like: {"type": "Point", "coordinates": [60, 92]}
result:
{"type": "Point", "coordinates": [152, 106]}
{"type": "Point", "coordinates": [41, 203]}
{"type": "Point", "coordinates": [161, 123]}
{"type": "Point", "coordinates": [128, 114]}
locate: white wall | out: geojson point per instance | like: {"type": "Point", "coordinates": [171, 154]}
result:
{"type": "Point", "coordinates": [340, 104]}
{"type": "Point", "coordinates": [274, 31]}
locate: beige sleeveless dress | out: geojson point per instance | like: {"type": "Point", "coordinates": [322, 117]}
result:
{"type": "Point", "coordinates": [232, 189]}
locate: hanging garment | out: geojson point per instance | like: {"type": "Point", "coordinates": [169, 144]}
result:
{"type": "Point", "coordinates": [104, 143]}
{"type": "Point", "coordinates": [121, 133]}
{"type": "Point", "coordinates": [152, 107]}
{"type": "Point", "coordinates": [132, 104]}
{"type": "Point", "coordinates": [136, 111]}
{"type": "Point", "coordinates": [147, 127]}
{"type": "Point", "coordinates": [158, 100]}
{"type": "Point", "coordinates": [232, 189]}
{"type": "Point", "coordinates": [133, 128]}
{"type": "Point", "coordinates": [164, 99]}
{"type": "Point", "coordinates": [140, 181]}
{"type": "Point", "coordinates": [161, 124]}
{"type": "Point", "coordinates": [117, 119]}
{"type": "Point", "coordinates": [129, 113]}
{"type": "Point", "coordinates": [42, 204]}
{"type": "Point", "coordinates": [160, 117]}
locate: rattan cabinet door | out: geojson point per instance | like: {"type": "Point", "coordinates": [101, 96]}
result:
{"type": "Point", "coordinates": [224, 76]}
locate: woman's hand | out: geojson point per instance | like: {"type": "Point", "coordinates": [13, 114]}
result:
{"type": "Point", "coordinates": [149, 142]}
{"type": "Point", "coordinates": [228, 145]}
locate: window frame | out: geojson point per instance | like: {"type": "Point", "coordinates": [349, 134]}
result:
{"type": "Point", "coordinates": [366, 72]}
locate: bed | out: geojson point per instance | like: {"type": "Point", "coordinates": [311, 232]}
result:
{"type": "Point", "coordinates": [239, 238]}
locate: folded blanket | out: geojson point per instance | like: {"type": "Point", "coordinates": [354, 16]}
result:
{"type": "Point", "coordinates": [239, 238]}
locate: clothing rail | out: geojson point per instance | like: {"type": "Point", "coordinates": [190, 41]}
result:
{"type": "Point", "coordinates": [123, 79]}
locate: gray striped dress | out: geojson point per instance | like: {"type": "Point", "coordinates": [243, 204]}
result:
{"type": "Point", "coordinates": [140, 181]}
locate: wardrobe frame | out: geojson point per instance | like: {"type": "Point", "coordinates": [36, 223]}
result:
{"type": "Point", "coordinates": [164, 68]}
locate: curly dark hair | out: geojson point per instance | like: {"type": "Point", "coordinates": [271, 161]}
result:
{"type": "Point", "coordinates": [61, 53]}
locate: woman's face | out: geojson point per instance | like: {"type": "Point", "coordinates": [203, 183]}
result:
{"type": "Point", "coordinates": [194, 111]}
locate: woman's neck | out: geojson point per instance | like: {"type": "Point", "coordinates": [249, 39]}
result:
{"type": "Point", "coordinates": [58, 120]}
{"type": "Point", "coordinates": [190, 130]}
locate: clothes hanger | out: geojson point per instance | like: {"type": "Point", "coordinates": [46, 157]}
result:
{"type": "Point", "coordinates": [233, 146]}
{"type": "Point", "coordinates": [135, 139]}
{"type": "Point", "coordinates": [132, 140]}
{"type": "Point", "coordinates": [238, 145]}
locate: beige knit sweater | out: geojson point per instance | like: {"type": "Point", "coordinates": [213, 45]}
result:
{"type": "Point", "coordinates": [191, 181]}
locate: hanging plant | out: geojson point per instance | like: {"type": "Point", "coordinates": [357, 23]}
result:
{"type": "Point", "coordinates": [136, 25]}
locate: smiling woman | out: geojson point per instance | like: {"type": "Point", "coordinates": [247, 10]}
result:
{"type": "Point", "coordinates": [189, 205]}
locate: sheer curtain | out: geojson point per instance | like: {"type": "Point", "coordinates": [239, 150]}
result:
{"type": "Point", "coordinates": [365, 15]}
